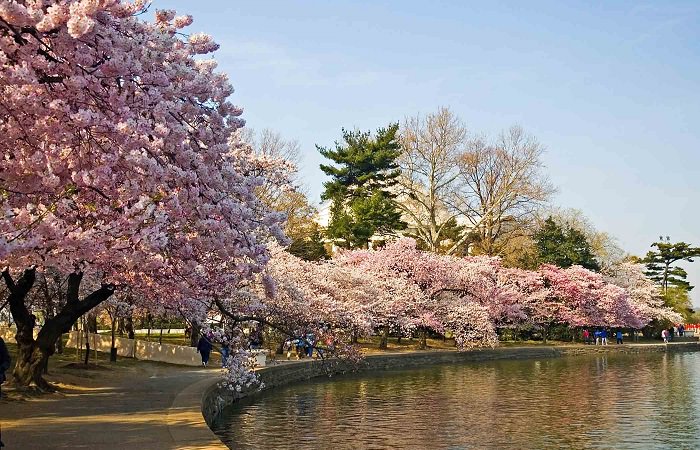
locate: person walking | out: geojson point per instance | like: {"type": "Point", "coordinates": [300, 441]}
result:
{"type": "Point", "coordinates": [204, 347]}
{"type": "Point", "coordinates": [5, 362]}
{"type": "Point", "coordinates": [619, 336]}
{"type": "Point", "coordinates": [586, 336]}
{"type": "Point", "coordinates": [225, 351]}
{"type": "Point", "coordinates": [310, 341]}
{"type": "Point", "coordinates": [603, 337]}
{"type": "Point", "coordinates": [664, 335]}
{"type": "Point", "coordinates": [596, 334]}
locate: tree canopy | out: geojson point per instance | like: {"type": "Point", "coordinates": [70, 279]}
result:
{"type": "Point", "coordinates": [563, 246]}
{"type": "Point", "coordinates": [362, 202]}
{"type": "Point", "coordinates": [660, 263]}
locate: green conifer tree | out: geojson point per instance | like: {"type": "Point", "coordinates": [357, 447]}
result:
{"type": "Point", "coordinates": [364, 171]}
{"type": "Point", "coordinates": [563, 247]}
{"type": "Point", "coordinates": [660, 266]}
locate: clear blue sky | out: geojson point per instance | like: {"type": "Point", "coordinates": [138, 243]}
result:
{"type": "Point", "coordinates": [612, 89]}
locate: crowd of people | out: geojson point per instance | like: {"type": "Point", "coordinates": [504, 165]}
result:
{"type": "Point", "coordinates": [599, 336]}
{"type": "Point", "coordinates": [670, 333]}
{"type": "Point", "coordinates": [205, 346]}
{"type": "Point", "coordinates": [301, 347]}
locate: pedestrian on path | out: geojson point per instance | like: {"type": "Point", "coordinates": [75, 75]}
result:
{"type": "Point", "coordinates": [603, 337]}
{"type": "Point", "coordinates": [225, 351]}
{"type": "Point", "coordinates": [619, 336]}
{"type": "Point", "coordinates": [204, 348]}
{"type": "Point", "coordinates": [596, 334]}
{"type": "Point", "coordinates": [5, 362]}
{"type": "Point", "coordinates": [586, 336]}
{"type": "Point", "coordinates": [664, 335]}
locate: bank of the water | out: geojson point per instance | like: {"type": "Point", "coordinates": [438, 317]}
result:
{"type": "Point", "coordinates": [215, 399]}
{"type": "Point", "coordinates": [644, 400]}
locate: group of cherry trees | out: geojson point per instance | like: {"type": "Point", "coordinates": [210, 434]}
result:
{"type": "Point", "coordinates": [408, 291]}
{"type": "Point", "coordinates": [124, 175]}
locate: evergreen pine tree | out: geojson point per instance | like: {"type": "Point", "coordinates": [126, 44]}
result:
{"type": "Point", "coordinates": [564, 247]}
{"type": "Point", "coordinates": [660, 264]}
{"type": "Point", "coordinates": [364, 171]}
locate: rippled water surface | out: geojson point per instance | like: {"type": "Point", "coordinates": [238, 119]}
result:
{"type": "Point", "coordinates": [616, 401]}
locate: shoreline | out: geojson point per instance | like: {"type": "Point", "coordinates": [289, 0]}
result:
{"type": "Point", "coordinates": [215, 399]}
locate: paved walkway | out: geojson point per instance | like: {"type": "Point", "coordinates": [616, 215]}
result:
{"type": "Point", "coordinates": [154, 406]}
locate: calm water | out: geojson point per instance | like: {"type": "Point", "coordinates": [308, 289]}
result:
{"type": "Point", "coordinates": [618, 401]}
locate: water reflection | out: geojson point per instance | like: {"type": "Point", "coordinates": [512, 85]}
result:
{"type": "Point", "coordinates": [615, 401]}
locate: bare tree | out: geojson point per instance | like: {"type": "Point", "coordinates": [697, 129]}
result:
{"type": "Point", "coordinates": [285, 153]}
{"type": "Point", "coordinates": [499, 188]}
{"type": "Point", "coordinates": [431, 147]}
{"type": "Point", "coordinates": [271, 143]}
{"type": "Point", "coordinates": [286, 193]}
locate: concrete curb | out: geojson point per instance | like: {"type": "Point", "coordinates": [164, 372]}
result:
{"type": "Point", "coordinates": [186, 423]}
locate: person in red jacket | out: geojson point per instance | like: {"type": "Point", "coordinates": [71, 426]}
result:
{"type": "Point", "coordinates": [586, 336]}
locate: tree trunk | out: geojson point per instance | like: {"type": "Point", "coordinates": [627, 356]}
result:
{"type": "Point", "coordinates": [92, 323]}
{"type": "Point", "coordinates": [59, 345]}
{"type": "Point", "coordinates": [29, 368]}
{"type": "Point", "coordinates": [545, 331]}
{"type": "Point", "coordinates": [87, 348]}
{"type": "Point", "coordinates": [33, 354]}
{"type": "Point", "coordinates": [130, 327]}
{"type": "Point", "coordinates": [423, 344]}
{"type": "Point", "coordinates": [194, 336]}
{"type": "Point", "coordinates": [384, 343]}
{"type": "Point", "coordinates": [113, 348]}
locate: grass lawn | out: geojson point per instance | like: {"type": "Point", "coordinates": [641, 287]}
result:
{"type": "Point", "coordinates": [172, 338]}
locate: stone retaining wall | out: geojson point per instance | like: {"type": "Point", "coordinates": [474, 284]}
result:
{"type": "Point", "coordinates": [215, 398]}
{"type": "Point", "coordinates": [150, 351]}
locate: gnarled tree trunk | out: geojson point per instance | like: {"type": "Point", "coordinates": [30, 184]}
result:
{"type": "Point", "coordinates": [33, 354]}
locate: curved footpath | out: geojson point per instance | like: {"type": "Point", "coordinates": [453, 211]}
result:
{"type": "Point", "coordinates": [161, 406]}
{"type": "Point", "coordinates": [156, 406]}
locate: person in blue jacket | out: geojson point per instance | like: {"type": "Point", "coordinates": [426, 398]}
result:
{"type": "Point", "coordinates": [204, 347]}
{"type": "Point", "coordinates": [619, 336]}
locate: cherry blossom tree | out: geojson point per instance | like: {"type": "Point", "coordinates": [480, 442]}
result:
{"type": "Point", "coordinates": [318, 303]}
{"type": "Point", "coordinates": [580, 297]}
{"type": "Point", "coordinates": [119, 162]}
{"type": "Point", "coordinates": [644, 294]}
{"type": "Point", "coordinates": [448, 301]}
